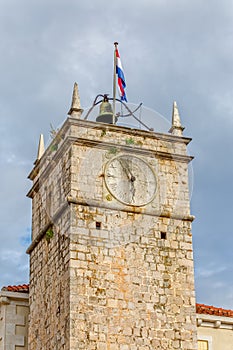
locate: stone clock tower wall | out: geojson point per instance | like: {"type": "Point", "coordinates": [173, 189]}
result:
{"type": "Point", "coordinates": [49, 252]}
{"type": "Point", "coordinates": [105, 274]}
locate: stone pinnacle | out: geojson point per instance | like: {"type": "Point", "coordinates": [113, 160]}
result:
{"type": "Point", "coordinates": [176, 128]}
{"type": "Point", "coordinates": [75, 109]}
{"type": "Point", "coordinates": [40, 148]}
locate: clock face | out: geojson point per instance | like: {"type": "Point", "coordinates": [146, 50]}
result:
{"type": "Point", "coordinates": [130, 180]}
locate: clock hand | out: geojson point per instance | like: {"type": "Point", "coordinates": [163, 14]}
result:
{"type": "Point", "coordinates": [125, 168]}
{"type": "Point", "coordinates": [131, 178]}
{"type": "Point", "coordinates": [128, 172]}
{"type": "Point", "coordinates": [132, 191]}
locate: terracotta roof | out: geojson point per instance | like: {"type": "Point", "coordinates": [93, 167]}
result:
{"type": "Point", "coordinates": [211, 310]}
{"type": "Point", "coordinates": [24, 288]}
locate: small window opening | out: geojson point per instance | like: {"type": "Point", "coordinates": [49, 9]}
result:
{"type": "Point", "coordinates": [163, 235]}
{"type": "Point", "coordinates": [98, 225]}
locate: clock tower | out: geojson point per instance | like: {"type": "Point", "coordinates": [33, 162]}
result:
{"type": "Point", "coordinates": [111, 263]}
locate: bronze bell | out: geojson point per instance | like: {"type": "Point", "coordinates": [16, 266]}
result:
{"type": "Point", "coordinates": [106, 113]}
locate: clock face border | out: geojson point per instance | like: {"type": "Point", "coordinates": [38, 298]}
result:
{"type": "Point", "coordinates": [114, 192]}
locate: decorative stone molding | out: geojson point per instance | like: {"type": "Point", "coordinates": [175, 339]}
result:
{"type": "Point", "coordinates": [213, 321]}
{"type": "Point", "coordinates": [4, 301]}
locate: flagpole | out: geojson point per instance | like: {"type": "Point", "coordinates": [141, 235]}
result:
{"type": "Point", "coordinates": [114, 85]}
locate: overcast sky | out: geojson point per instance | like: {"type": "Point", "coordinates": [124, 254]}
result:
{"type": "Point", "coordinates": [171, 50]}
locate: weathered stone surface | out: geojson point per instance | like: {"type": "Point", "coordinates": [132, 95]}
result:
{"type": "Point", "coordinates": [105, 275]}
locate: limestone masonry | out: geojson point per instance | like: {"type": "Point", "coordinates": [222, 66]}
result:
{"type": "Point", "coordinates": [108, 273]}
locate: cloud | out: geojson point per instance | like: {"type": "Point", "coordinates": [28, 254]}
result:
{"type": "Point", "coordinates": [216, 278]}
{"type": "Point", "coordinates": [209, 271]}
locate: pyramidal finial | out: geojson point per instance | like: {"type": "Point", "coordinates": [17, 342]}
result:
{"type": "Point", "coordinates": [40, 148]}
{"type": "Point", "coordinates": [75, 109]}
{"type": "Point", "coordinates": [176, 128]}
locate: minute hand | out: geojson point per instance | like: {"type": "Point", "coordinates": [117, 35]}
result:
{"type": "Point", "coordinates": [127, 170]}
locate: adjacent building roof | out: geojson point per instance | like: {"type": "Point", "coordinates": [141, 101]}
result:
{"type": "Point", "coordinates": [212, 310]}
{"type": "Point", "coordinates": [24, 288]}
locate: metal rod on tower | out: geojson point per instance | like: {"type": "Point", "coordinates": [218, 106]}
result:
{"type": "Point", "coordinates": [114, 85]}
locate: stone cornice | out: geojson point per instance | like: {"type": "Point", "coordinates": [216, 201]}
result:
{"type": "Point", "coordinates": [214, 321]}
{"type": "Point", "coordinates": [130, 209]}
{"type": "Point", "coordinates": [102, 145]}
{"type": "Point", "coordinates": [128, 131]}
{"type": "Point", "coordinates": [132, 149]}
{"type": "Point", "coordinates": [80, 123]}
{"type": "Point", "coordinates": [6, 297]}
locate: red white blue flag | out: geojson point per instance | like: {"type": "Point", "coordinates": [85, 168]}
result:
{"type": "Point", "coordinates": [120, 77]}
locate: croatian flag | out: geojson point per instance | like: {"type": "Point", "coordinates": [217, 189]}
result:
{"type": "Point", "coordinates": [121, 77]}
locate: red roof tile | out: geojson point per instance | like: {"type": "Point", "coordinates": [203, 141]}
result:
{"type": "Point", "coordinates": [212, 310]}
{"type": "Point", "coordinates": [24, 288]}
